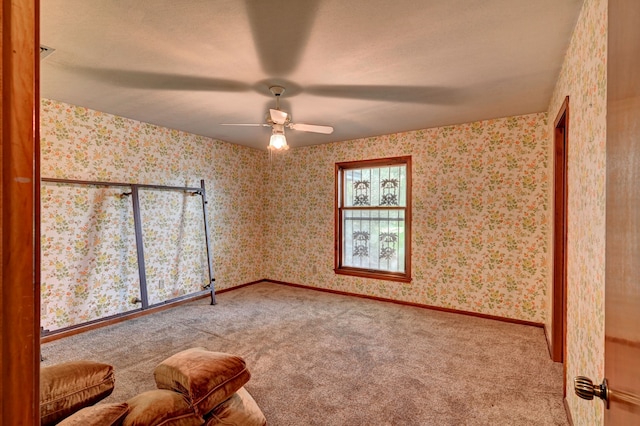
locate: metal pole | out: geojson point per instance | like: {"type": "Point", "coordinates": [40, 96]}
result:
{"type": "Point", "coordinates": [137, 222]}
{"type": "Point", "coordinates": [138, 225]}
{"type": "Point", "coordinates": [207, 238]}
{"type": "Point", "coordinates": [102, 183]}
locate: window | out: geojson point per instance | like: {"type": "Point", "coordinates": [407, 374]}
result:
{"type": "Point", "coordinates": [373, 218]}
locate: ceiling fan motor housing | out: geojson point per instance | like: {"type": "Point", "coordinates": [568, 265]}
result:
{"type": "Point", "coordinates": [269, 120]}
{"type": "Point", "coordinates": [276, 90]}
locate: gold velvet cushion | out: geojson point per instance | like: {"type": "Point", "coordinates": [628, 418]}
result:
{"type": "Point", "coordinates": [65, 388]}
{"type": "Point", "coordinates": [161, 407]}
{"type": "Point", "coordinates": [238, 410]}
{"type": "Point", "coordinates": [98, 415]}
{"type": "Point", "coordinates": [205, 378]}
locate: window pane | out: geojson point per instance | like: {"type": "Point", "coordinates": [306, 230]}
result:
{"type": "Point", "coordinates": [379, 186]}
{"type": "Point", "coordinates": [374, 239]}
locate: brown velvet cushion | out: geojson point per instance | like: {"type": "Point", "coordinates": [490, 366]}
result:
{"type": "Point", "coordinates": [98, 415]}
{"type": "Point", "coordinates": [65, 388]}
{"type": "Point", "coordinates": [205, 378]}
{"type": "Point", "coordinates": [241, 410]}
{"type": "Point", "coordinates": [161, 407]}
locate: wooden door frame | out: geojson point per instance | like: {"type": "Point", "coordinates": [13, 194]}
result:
{"type": "Point", "coordinates": [19, 211]}
{"type": "Point", "coordinates": [559, 314]}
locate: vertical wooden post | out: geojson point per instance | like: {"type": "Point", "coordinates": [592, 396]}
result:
{"type": "Point", "coordinates": [19, 213]}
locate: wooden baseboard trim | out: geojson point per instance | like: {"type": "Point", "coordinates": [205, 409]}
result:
{"type": "Point", "coordinates": [416, 305]}
{"type": "Point", "coordinates": [568, 411]}
{"type": "Point", "coordinates": [103, 322]}
{"type": "Point", "coordinates": [224, 290]}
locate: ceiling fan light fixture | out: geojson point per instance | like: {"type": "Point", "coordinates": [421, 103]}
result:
{"type": "Point", "coordinates": [278, 141]}
{"type": "Point", "coordinates": [278, 120]}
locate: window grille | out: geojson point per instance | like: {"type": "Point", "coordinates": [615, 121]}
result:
{"type": "Point", "coordinates": [373, 208]}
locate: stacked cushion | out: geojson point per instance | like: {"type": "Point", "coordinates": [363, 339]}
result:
{"type": "Point", "coordinates": [98, 415]}
{"type": "Point", "coordinates": [161, 407]}
{"type": "Point", "coordinates": [66, 388]}
{"type": "Point", "coordinates": [238, 410]}
{"type": "Point", "coordinates": [205, 378]}
{"type": "Point", "coordinates": [196, 387]}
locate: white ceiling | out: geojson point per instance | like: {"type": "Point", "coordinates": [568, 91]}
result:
{"type": "Point", "coordinates": [365, 67]}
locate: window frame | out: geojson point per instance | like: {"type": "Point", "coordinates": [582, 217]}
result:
{"type": "Point", "coordinates": [339, 223]}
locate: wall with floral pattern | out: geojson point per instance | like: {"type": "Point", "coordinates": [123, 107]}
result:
{"type": "Point", "coordinates": [481, 212]}
{"type": "Point", "coordinates": [584, 79]}
{"type": "Point", "coordinates": [89, 264]}
{"type": "Point", "coordinates": [480, 216]}
{"type": "Point", "coordinates": [87, 246]}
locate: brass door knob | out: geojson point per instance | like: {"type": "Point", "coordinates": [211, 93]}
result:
{"type": "Point", "coordinates": [585, 389]}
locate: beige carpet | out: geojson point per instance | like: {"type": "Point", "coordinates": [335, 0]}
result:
{"type": "Point", "coordinates": [324, 359]}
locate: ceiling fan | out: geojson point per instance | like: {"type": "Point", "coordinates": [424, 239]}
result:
{"type": "Point", "coordinates": [278, 120]}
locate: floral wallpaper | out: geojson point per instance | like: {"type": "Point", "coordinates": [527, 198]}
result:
{"type": "Point", "coordinates": [174, 244]}
{"type": "Point", "coordinates": [481, 216]}
{"type": "Point", "coordinates": [89, 266]}
{"type": "Point", "coordinates": [87, 244]}
{"type": "Point", "coordinates": [584, 79]}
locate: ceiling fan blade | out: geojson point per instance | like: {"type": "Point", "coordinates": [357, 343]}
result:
{"type": "Point", "coordinates": [409, 94]}
{"type": "Point", "coordinates": [161, 81]}
{"type": "Point", "coordinates": [280, 30]}
{"type": "Point", "coordinates": [278, 117]}
{"type": "Point", "coordinates": [327, 130]}
{"type": "Point", "coordinates": [244, 124]}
